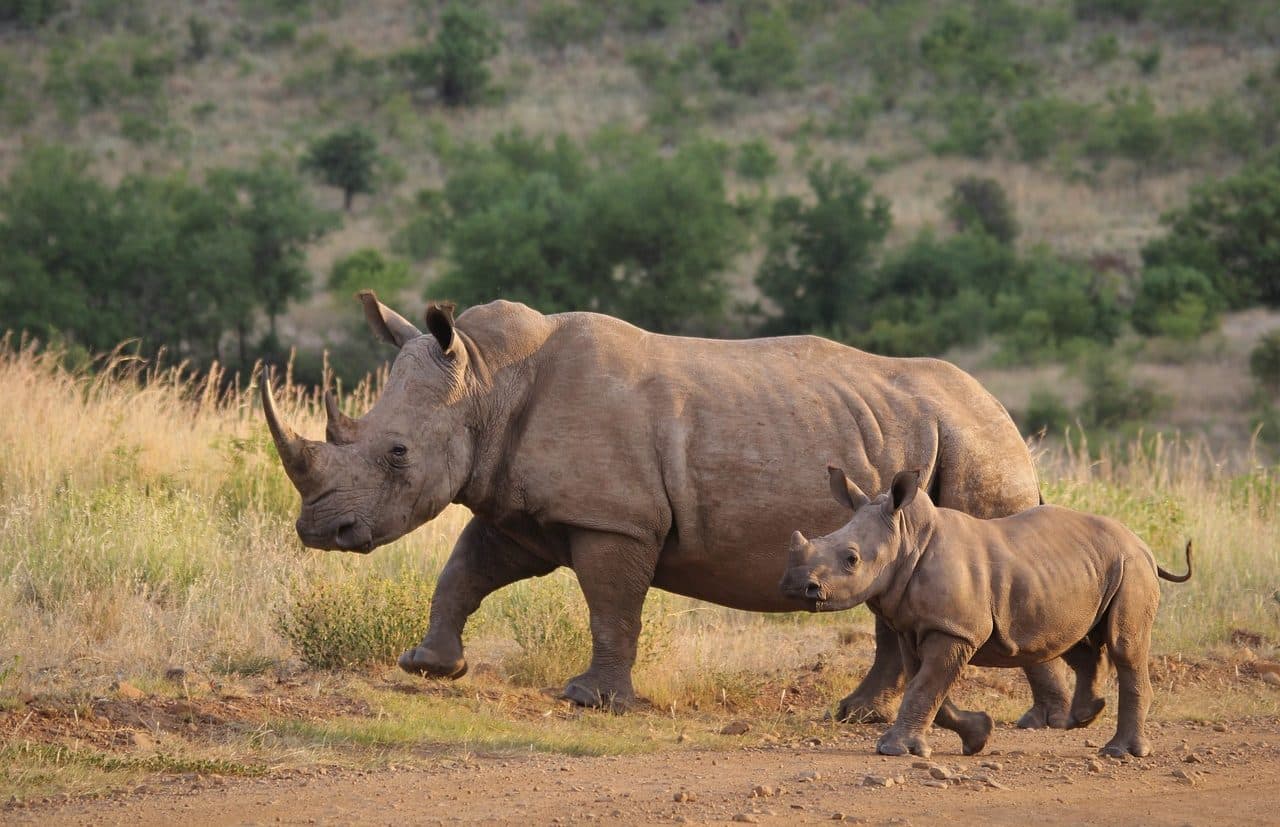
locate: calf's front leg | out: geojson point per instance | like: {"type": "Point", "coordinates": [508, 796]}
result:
{"type": "Point", "coordinates": [932, 667]}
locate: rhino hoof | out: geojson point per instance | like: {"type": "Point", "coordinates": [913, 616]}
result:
{"type": "Point", "coordinates": [419, 661]}
{"type": "Point", "coordinates": [1084, 715]}
{"type": "Point", "coordinates": [583, 694]}
{"type": "Point", "coordinates": [1118, 747]}
{"type": "Point", "coordinates": [854, 710]}
{"type": "Point", "coordinates": [1038, 717]}
{"type": "Point", "coordinates": [976, 733]}
{"type": "Point", "coordinates": [891, 743]}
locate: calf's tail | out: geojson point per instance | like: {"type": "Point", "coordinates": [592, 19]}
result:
{"type": "Point", "coordinates": [1177, 578]}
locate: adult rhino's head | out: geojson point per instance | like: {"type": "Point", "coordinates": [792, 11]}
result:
{"type": "Point", "coordinates": [855, 562]}
{"type": "Point", "coordinates": [379, 477]}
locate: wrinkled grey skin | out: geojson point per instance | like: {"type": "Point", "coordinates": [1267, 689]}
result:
{"type": "Point", "coordinates": [640, 461]}
{"type": "Point", "coordinates": [1046, 583]}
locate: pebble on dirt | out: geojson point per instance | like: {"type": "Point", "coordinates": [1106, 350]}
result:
{"type": "Point", "coordinates": [762, 791]}
{"type": "Point", "coordinates": [877, 781]}
{"type": "Point", "coordinates": [735, 728]}
{"type": "Point", "coordinates": [684, 796]}
{"type": "Point", "coordinates": [748, 818]}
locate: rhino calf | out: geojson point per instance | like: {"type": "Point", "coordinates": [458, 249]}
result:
{"type": "Point", "coordinates": [1015, 591]}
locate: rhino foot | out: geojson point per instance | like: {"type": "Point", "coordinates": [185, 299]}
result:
{"type": "Point", "coordinates": [1120, 746]}
{"type": "Point", "coordinates": [858, 708]}
{"type": "Point", "coordinates": [587, 690]}
{"type": "Point", "coordinates": [1054, 716]}
{"type": "Point", "coordinates": [426, 662]}
{"type": "Point", "coordinates": [974, 732]}
{"type": "Point", "coordinates": [895, 743]}
{"type": "Point", "coordinates": [1086, 713]}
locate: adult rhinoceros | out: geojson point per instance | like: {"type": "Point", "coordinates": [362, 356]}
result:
{"type": "Point", "coordinates": [640, 460]}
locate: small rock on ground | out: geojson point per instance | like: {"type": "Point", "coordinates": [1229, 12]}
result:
{"type": "Point", "coordinates": [762, 791]}
{"type": "Point", "coordinates": [877, 781]}
{"type": "Point", "coordinates": [735, 728]}
{"type": "Point", "coordinates": [748, 818]}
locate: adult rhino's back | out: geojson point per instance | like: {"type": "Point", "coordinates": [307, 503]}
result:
{"type": "Point", "coordinates": [738, 433]}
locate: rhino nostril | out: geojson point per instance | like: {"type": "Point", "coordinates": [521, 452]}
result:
{"type": "Point", "coordinates": [813, 591]}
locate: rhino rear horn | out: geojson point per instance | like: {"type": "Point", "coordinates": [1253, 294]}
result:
{"type": "Point", "coordinates": [339, 428]}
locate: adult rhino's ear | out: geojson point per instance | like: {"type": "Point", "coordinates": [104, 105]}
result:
{"type": "Point", "coordinates": [440, 324]}
{"type": "Point", "coordinates": [387, 324]}
{"type": "Point", "coordinates": [904, 488]}
{"type": "Point", "coordinates": [844, 490]}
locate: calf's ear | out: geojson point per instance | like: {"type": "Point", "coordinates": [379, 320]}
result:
{"type": "Point", "coordinates": [387, 324]}
{"type": "Point", "coordinates": [844, 490]}
{"type": "Point", "coordinates": [904, 488]}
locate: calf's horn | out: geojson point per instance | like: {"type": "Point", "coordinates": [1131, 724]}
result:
{"type": "Point", "coordinates": [799, 549]}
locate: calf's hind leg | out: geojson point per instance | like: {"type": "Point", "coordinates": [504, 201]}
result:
{"type": "Point", "coordinates": [1129, 642]}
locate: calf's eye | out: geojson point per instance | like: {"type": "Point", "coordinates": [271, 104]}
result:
{"type": "Point", "coordinates": [851, 560]}
{"type": "Point", "coordinates": [399, 451]}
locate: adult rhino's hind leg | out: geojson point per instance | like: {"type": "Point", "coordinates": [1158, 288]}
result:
{"type": "Point", "coordinates": [614, 573]}
{"type": "Point", "coordinates": [483, 561]}
{"type": "Point", "coordinates": [1050, 696]}
{"type": "Point", "coordinates": [875, 699]}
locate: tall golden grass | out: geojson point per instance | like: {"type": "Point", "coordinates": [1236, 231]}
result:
{"type": "Point", "coordinates": [145, 523]}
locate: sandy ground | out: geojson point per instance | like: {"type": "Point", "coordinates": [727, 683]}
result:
{"type": "Point", "coordinates": [1200, 774]}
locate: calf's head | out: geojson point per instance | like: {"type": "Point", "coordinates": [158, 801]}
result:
{"type": "Point", "coordinates": [854, 563]}
{"type": "Point", "coordinates": [376, 478]}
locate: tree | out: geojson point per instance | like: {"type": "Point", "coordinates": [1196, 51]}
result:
{"type": "Point", "coordinates": [468, 38]}
{"type": "Point", "coordinates": [1229, 231]}
{"type": "Point", "coordinates": [280, 220]}
{"type": "Point", "coordinates": [820, 260]}
{"type": "Point", "coordinates": [346, 159]}
{"type": "Point", "coordinates": [1175, 301]}
{"type": "Point", "coordinates": [980, 204]}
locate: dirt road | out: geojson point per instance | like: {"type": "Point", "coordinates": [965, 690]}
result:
{"type": "Point", "coordinates": [1199, 775]}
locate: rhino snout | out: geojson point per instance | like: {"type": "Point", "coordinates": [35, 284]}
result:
{"type": "Point", "coordinates": [348, 533]}
{"type": "Point", "coordinates": [815, 591]}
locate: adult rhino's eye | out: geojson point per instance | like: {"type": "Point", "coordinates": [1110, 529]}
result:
{"type": "Point", "coordinates": [399, 451]}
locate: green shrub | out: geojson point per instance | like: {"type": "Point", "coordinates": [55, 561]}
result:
{"type": "Point", "coordinates": [1046, 412]}
{"type": "Point", "coordinates": [969, 124]}
{"type": "Point", "coordinates": [368, 269]}
{"type": "Point", "coordinates": [766, 57]}
{"type": "Point", "coordinates": [651, 15]}
{"type": "Point", "coordinates": [1229, 232]}
{"type": "Point", "coordinates": [424, 234]}
{"type": "Point", "coordinates": [756, 162]}
{"type": "Point", "coordinates": [1102, 49]}
{"type": "Point", "coordinates": [1113, 399]}
{"type": "Point", "coordinates": [981, 204]}
{"type": "Point", "coordinates": [29, 13]}
{"type": "Point", "coordinates": [1129, 10]}
{"type": "Point", "coordinates": [1174, 301]}
{"type": "Point", "coordinates": [358, 621]}
{"type": "Point", "coordinates": [455, 63]}
{"type": "Point", "coordinates": [1148, 60]}
{"type": "Point", "coordinates": [1058, 307]}
{"type": "Point", "coordinates": [559, 25]}
{"type": "Point", "coordinates": [1039, 125]}
{"type": "Point", "coordinates": [279, 33]}
{"type": "Point", "coordinates": [1264, 361]}
{"type": "Point", "coordinates": [1202, 14]}
{"type": "Point", "coordinates": [971, 47]}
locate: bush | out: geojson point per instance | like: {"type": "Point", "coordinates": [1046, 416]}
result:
{"type": "Point", "coordinates": [1202, 14]}
{"type": "Point", "coordinates": [559, 25]}
{"type": "Point", "coordinates": [455, 63]}
{"type": "Point", "coordinates": [756, 162]}
{"type": "Point", "coordinates": [29, 13]}
{"type": "Point", "coordinates": [1128, 10]}
{"type": "Point", "coordinates": [1229, 232]}
{"type": "Point", "coordinates": [346, 159]}
{"type": "Point", "coordinates": [1112, 398]}
{"type": "Point", "coordinates": [1038, 125]}
{"type": "Point", "coordinates": [364, 620]}
{"type": "Point", "coordinates": [424, 234]}
{"type": "Point", "coordinates": [969, 47]}
{"type": "Point", "coordinates": [199, 38]}
{"type": "Point", "coordinates": [969, 121]}
{"type": "Point", "coordinates": [1148, 61]}
{"type": "Point", "coordinates": [819, 264]}
{"type": "Point", "coordinates": [980, 204]}
{"type": "Point", "coordinates": [1059, 307]}
{"type": "Point", "coordinates": [1264, 361]}
{"type": "Point", "coordinates": [1174, 301]}
{"type": "Point", "coordinates": [1046, 412]}
{"type": "Point", "coordinates": [367, 269]}
{"type": "Point", "coordinates": [1102, 49]}
{"type": "Point", "coordinates": [651, 15]}
{"type": "Point", "coordinates": [766, 57]}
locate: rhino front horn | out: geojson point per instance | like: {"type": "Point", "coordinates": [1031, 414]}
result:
{"type": "Point", "coordinates": [293, 449]}
{"type": "Point", "coordinates": [799, 549]}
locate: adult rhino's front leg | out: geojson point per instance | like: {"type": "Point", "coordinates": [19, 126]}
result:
{"type": "Point", "coordinates": [876, 697]}
{"type": "Point", "coordinates": [615, 574]}
{"type": "Point", "coordinates": [483, 561]}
